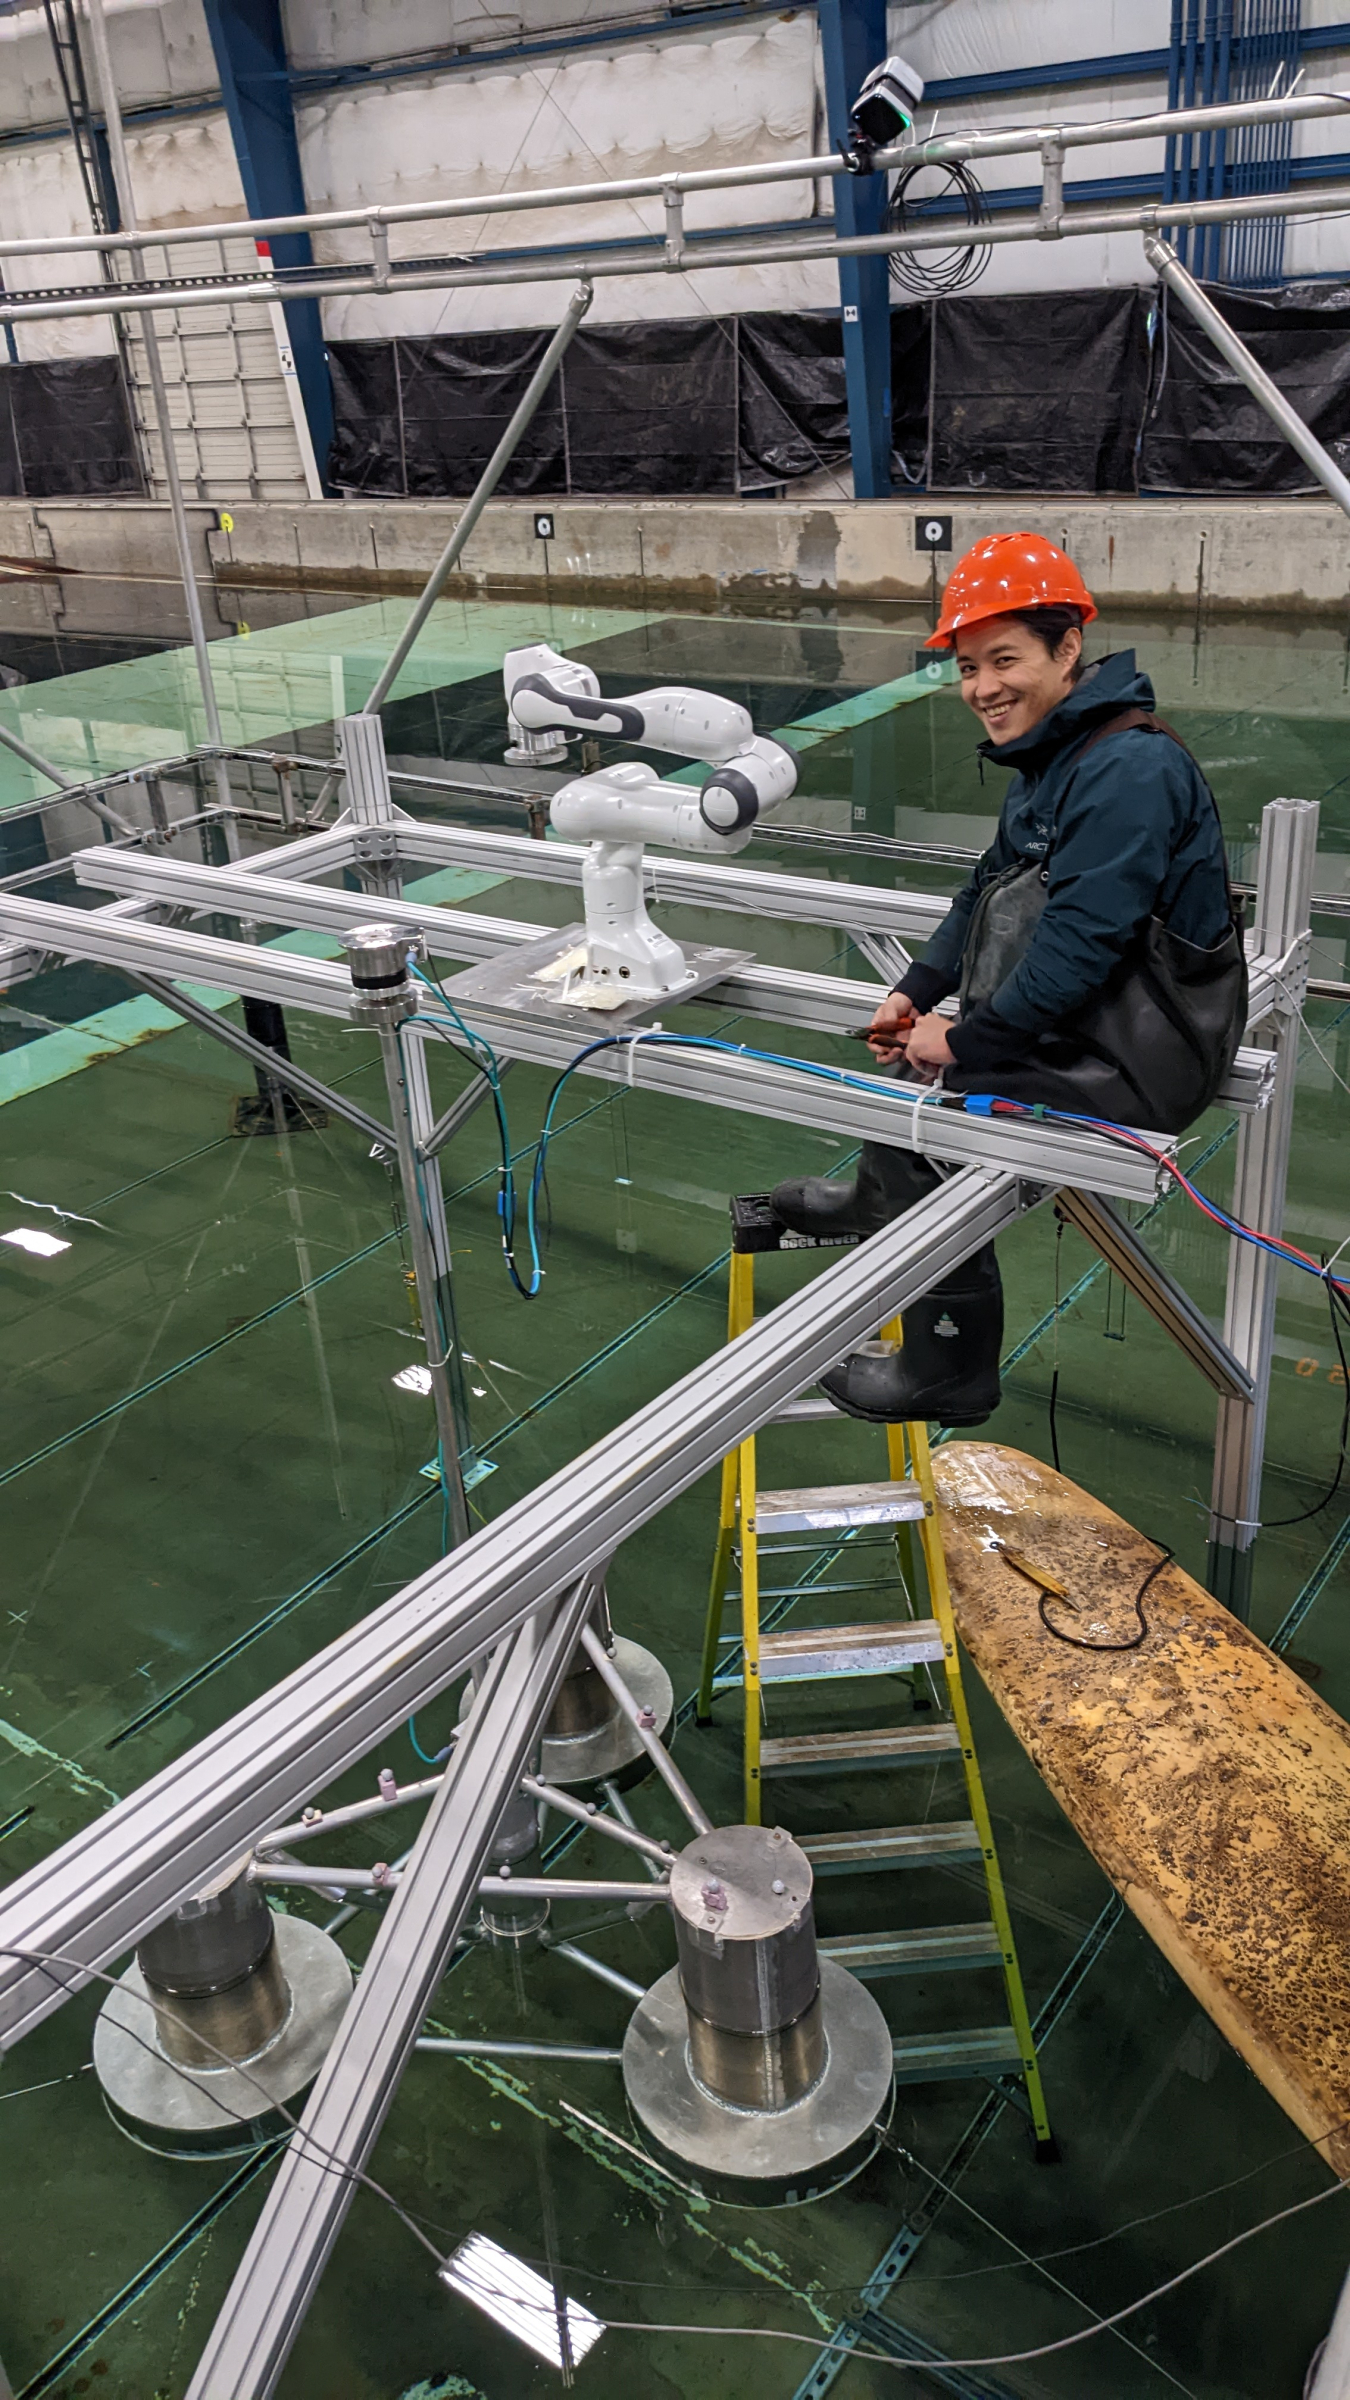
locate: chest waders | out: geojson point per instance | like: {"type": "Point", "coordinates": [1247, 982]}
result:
{"type": "Point", "coordinates": [1182, 1014]}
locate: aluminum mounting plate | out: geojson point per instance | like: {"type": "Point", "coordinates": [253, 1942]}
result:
{"type": "Point", "coordinates": [514, 981]}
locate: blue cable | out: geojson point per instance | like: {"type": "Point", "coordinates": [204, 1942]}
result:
{"type": "Point", "coordinates": [974, 1104]}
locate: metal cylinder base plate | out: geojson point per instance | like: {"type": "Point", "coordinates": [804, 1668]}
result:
{"type": "Point", "coordinates": [612, 1752]}
{"type": "Point", "coordinates": [221, 2113]}
{"type": "Point", "coordinates": [752, 2158]}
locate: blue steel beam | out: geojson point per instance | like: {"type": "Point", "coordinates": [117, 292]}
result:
{"type": "Point", "coordinates": [250, 50]}
{"type": "Point", "coordinates": [852, 42]}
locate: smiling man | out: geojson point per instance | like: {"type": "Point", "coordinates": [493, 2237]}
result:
{"type": "Point", "coordinates": [1094, 949]}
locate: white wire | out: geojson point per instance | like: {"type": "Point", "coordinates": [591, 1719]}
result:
{"type": "Point", "coordinates": [1009, 2358]}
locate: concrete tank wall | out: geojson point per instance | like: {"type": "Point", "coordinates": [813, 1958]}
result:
{"type": "Point", "coordinates": [1219, 555]}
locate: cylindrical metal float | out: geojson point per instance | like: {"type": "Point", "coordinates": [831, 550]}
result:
{"type": "Point", "coordinates": [589, 1739]}
{"type": "Point", "coordinates": [515, 1851]}
{"type": "Point", "coordinates": [227, 2011]}
{"type": "Point", "coordinates": [759, 2069]}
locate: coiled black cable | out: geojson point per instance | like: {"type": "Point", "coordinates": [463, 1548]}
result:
{"type": "Point", "coordinates": [932, 274]}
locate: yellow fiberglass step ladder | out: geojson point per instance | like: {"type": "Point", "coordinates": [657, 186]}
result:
{"type": "Point", "coordinates": [832, 1517]}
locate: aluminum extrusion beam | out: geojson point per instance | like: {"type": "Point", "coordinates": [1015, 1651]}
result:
{"type": "Point", "coordinates": [116, 941]}
{"type": "Point", "coordinates": [101, 1891]}
{"type": "Point", "coordinates": [424, 1213]}
{"type": "Point", "coordinates": [701, 883]}
{"type": "Point", "coordinates": [828, 1100]}
{"type": "Point", "coordinates": [698, 883]}
{"type": "Point", "coordinates": [282, 1070]}
{"type": "Point", "coordinates": [1300, 437]}
{"type": "Point", "coordinates": [482, 492]}
{"type": "Point", "coordinates": [251, 2339]}
{"type": "Point", "coordinates": [818, 168]}
{"type": "Point", "coordinates": [1284, 885]}
{"type": "Point", "coordinates": [553, 266]}
{"type": "Point", "coordinates": [789, 996]}
{"type": "Point", "coordinates": [1159, 1292]}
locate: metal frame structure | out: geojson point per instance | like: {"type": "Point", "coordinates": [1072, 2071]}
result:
{"type": "Point", "coordinates": [674, 252]}
{"type": "Point", "coordinates": [517, 1593]}
{"type": "Point", "coordinates": [521, 1587]}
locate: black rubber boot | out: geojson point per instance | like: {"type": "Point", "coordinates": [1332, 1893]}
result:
{"type": "Point", "coordinates": [948, 1366]}
{"type": "Point", "coordinates": [887, 1183]}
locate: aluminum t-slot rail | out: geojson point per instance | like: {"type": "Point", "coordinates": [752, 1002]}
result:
{"type": "Point", "coordinates": [303, 2213]}
{"type": "Point", "coordinates": [316, 854]}
{"type": "Point", "coordinates": [827, 1100]}
{"type": "Point", "coordinates": [96, 1896]}
{"type": "Point", "coordinates": [783, 995]}
{"type": "Point", "coordinates": [700, 883]}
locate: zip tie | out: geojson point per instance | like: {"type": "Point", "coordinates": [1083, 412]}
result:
{"type": "Point", "coordinates": [919, 1098]}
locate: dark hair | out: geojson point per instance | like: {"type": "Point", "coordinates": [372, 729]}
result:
{"type": "Point", "coordinates": [1050, 625]}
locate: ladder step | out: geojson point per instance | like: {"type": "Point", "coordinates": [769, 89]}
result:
{"type": "Point", "coordinates": [811, 1409]}
{"type": "Point", "coordinates": [814, 1653]}
{"type": "Point", "coordinates": [882, 1746]}
{"type": "Point", "coordinates": [890, 1846]}
{"type": "Point", "coordinates": [914, 1951]}
{"type": "Point", "coordinates": [937, 2058]}
{"type": "Point", "coordinates": [823, 1508]}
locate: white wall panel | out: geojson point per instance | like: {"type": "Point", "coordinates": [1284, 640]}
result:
{"type": "Point", "coordinates": [334, 33]}
{"type": "Point", "coordinates": [41, 193]}
{"type": "Point", "coordinates": [751, 94]}
{"type": "Point", "coordinates": [970, 37]}
{"type": "Point", "coordinates": [161, 51]}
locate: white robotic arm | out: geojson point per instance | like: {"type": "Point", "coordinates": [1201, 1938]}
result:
{"type": "Point", "coordinates": [618, 809]}
{"type": "Point", "coordinates": [548, 693]}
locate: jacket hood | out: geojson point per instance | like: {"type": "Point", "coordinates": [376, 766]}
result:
{"type": "Point", "coordinates": [1102, 690]}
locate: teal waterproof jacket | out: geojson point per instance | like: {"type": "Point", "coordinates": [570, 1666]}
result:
{"type": "Point", "coordinates": [1129, 834]}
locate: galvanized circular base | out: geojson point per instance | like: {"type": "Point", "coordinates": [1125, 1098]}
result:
{"type": "Point", "coordinates": [757, 2160]}
{"type": "Point", "coordinates": [182, 2112]}
{"type": "Point", "coordinates": [612, 1752]}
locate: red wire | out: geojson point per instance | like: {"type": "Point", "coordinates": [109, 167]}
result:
{"type": "Point", "coordinates": [1273, 1241]}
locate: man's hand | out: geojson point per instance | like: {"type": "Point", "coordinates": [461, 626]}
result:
{"type": "Point", "coordinates": [891, 1027]}
{"type": "Point", "coordinates": [927, 1045]}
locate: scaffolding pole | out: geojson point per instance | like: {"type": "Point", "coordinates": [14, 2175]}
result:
{"type": "Point", "coordinates": [126, 201]}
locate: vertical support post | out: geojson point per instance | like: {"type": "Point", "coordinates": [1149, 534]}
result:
{"type": "Point", "coordinates": [369, 800]}
{"type": "Point", "coordinates": [249, 42]}
{"type": "Point", "coordinates": [370, 803]}
{"type": "Point", "coordinates": [126, 199]}
{"type": "Point", "coordinates": [1283, 892]}
{"type": "Point", "coordinates": [853, 41]}
{"type": "Point", "coordinates": [424, 1204]}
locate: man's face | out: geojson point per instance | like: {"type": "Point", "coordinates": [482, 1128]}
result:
{"type": "Point", "coordinates": [1009, 677]}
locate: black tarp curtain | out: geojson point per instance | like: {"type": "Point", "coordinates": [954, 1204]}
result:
{"type": "Point", "coordinates": [64, 430]}
{"type": "Point", "coordinates": [1114, 391]}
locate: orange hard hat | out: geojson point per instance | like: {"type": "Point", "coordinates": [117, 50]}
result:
{"type": "Point", "coordinates": [1007, 571]}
